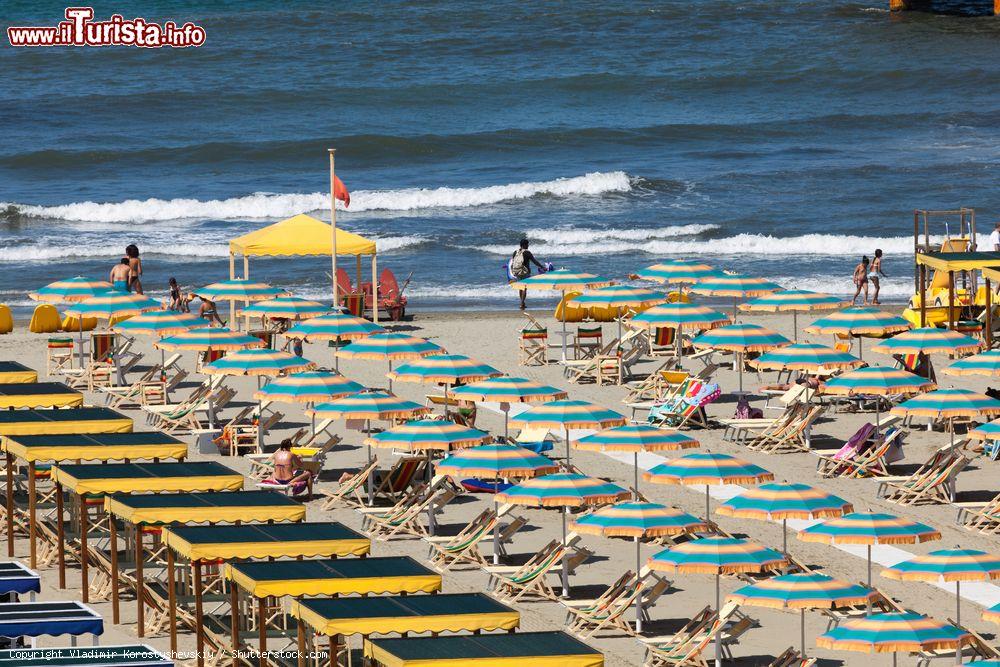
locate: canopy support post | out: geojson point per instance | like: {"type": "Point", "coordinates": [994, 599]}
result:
{"type": "Point", "coordinates": [333, 225]}
{"type": "Point", "coordinates": [232, 276]}
{"type": "Point", "coordinates": [988, 337]}
{"type": "Point", "coordinates": [374, 288]}
{"type": "Point", "coordinates": [951, 300]}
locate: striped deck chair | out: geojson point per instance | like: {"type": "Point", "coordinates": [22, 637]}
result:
{"type": "Point", "coordinates": [982, 517]}
{"type": "Point", "coordinates": [792, 658]}
{"type": "Point", "coordinates": [663, 342]}
{"type": "Point", "coordinates": [533, 346]}
{"type": "Point", "coordinates": [531, 578]}
{"type": "Point", "coordinates": [680, 411]}
{"type": "Point", "coordinates": [207, 357]}
{"type": "Point", "coordinates": [407, 521]}
{"type": "Point", "coordinates": [790, 439]}
{"type": "Point", "coordinates": [686, 653]}
{"type": "Point", "coordinates": [445, 552]}
{"type": "Point", "coordinates": [934, 484]}
{"type": "Point", "coordinates": [393, 484]}
{"type": "Point", "coordinates": [100, 364]}
{"type": "Point", "coordinates": [588, 341]}
{"type": "Point", "coordinates": [350, 490]}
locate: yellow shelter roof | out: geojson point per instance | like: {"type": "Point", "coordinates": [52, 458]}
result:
{"type": "Point", "coordinates": [959, 261]}
{"type": "Point", "coordinates": [299, 235]}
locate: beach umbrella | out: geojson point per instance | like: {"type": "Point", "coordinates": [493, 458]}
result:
{"type": "Point", "coordinates": [334, 327]}
{"type": "Point", "coordinates": [893, 632]}
{"type": "Point", "coordinates": [784, 501]}
{"type": "Point", "coordinates": [561, 280]}
{"type": "Point", "coordinates": [803, 590]}
{"type": "Point", "coordinates": [258, 363]}
{"type": "Point", "coordinates": [238, 289]}
{"type": "Point", "coordinates": [708, 469]}
{"type": "Point", "coordinates": [955, 565]}
{"type": "Point", "coordinates": [160, 323]}
{"type": "Point", "coordinates": [564, 490]}
{"type": "Point", "coordinates": [373, 405]}
{"type": "Point", "coordinates": [806, 357]}
{"type": "Point", "coordinates": [949, 404]}
{"type": "Point", "coordinates": [794, 301]}
{"type": "Point", "coordinates": [619, 297]}
{"type": "Point", "coordinates": [740, 339]}
{"type": "Point", "coordinates": [507, 390]}
{"type": "Point", "coordinates": [639, 521]}
{"type": "Point", "coordinates": [636, 438]}
{"type": "Point", "coordinates": [992, 614]}
{"type": "Point", "coordinates": [678, 272]}
{"type": "Point", "coordinates": [857, 321]}
{"type": "Point", "coordinates": [71, 290]}
{"type": "Point", "coordinates": [869, 528]}
{"type": "Point", "coordinates": [389, 347]}
{"type": "Point", "coordinates": [737, 286]}
{"type": "Point", "coordinates": [443, 369]}
{"type": "Point", "coordinates": [679, 315]}
{"type": "Point", "coordinates": [985, 363]}
{"type": "Point", "coordinates": [568, 414]}
{"type": "Point", "coordinates": [428, 434]}
{"type": "Point", "coordinates": [876, 381]}
{"type": "Point", "coordinates": [990, 431]}
{"type": "Point", "coordinates": [718, 556]}
{"type": "Point", "coordinates": [308, 387]}
{"type": "Point", "coordinates": [109, 305]}
{"type": "Point", "coordinates": [496, 461]}
{"type": "Point", "coordinates": [928, 340]}
{"type": "Point", "coordinates": [287, 308]}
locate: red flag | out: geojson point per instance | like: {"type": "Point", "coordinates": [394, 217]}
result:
{"type": "Point", "coordinates": [340, 191]}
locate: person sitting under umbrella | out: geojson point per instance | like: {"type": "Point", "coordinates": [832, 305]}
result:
{"type": "Point", "coordinates": [288, 468]}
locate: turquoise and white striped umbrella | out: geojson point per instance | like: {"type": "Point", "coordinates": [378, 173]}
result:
{"type": "Point", "coordinates": [562, 280]}
{"type": "Point", "coordinates": [679, 314]}
{"type": "Point", "coordinates": [238, 289]}
{"type": "Point", "coordinates": [741, 338]}
{"type": "Point", "coordinates": [427, 434]}
{"type": "Point", "coordinates": [309, 387]}
{"type": "Point", "coordinates": [567, 415]}
{"type": "Point", "coordinates": [209, 338]}
{"type": "Point", "coordinates": [258, 363]}
{"type": "Point", "coordinates": [71, 290]}
{"type": "Point", "coordinates": [635, 438]}
{"type": "Point", "coordinates": [287, 308]}
{"type": "Point", "coordinates": [806, 357]}
{"type": "Point", "coordinates": [678, 272]}
{"type": "Point", "coordinates": [113, 304]}
{"type": "Point", "coordinates": [955, 565]}
{"type": "Point", "coordinates": [160, 323]}
{"type": "Point", "coordinates": [985, 363]}
{"type": "Point", "coordinates": [859, 321]}
{"type": "Point", "coordinates": [619, 297]}
{"type": "Point", "coordinates": [893, 632]}
{"type": "Point", "coordinates": [735, 285]}
{"type": "Point", "coordinates": [333, 326]}
{"type": "Point", "coordinates": [928, 340]}
{"type": "Point", "coordinates": [795, 301]}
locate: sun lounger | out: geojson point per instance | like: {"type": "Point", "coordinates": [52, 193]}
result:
{"type": "Point", "coordinates": [791, 438]}
{"type": "Point", "coordinates": [983, 517]}
{"type": "Point", "coordinates": [792, 658]}
{"type": "Point", "coordinates": [529, 579]}
{"type": "Point", "coordinates": [930, 484]}
{"type": "Point", "coordinates": [871, 460]}
{"type": "Point", "coordinates": [404, 475]}
{"type": "Point", "coordinates": [408, 521]}
{"type": "Point", "coordinates": [587, 617]}
{"type": "Point", "coordinates": [688, 406]}
{"type": "Point", "coordinates": [351, 490]}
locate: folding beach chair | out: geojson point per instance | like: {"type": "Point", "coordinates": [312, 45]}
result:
{"type": "Point", "coordinates": [393, 484]}
{"type": "Point", "coordinates": [585, 618]}
{"type": "Point", "coordinates": [933, 484]}
{"type": "Point", "coordinates": [529, 579]}
{"type": "Point", "coordinates": [792, 437]}
{"type": "Point", "coordinates": [792, 658]}
{"type": "Point", "coordinates": [588, 341]}
{"type": "Point", "coordinates": [100, 364]}
{"type": "Point", "coordinates": [207, 357]}
{"type": "Point", "coordinates": [408, 519]}
{"type": "Point", "coordinates": [59, 354]}
{"type": "Point", "coordinates": [687, 407]}
{"type": "Point", "coordinates": [350, 492]}
{"type": "Point", "coordinates": [979, 516]}
{"type": "Point", "coordinates": [533, 344]}
{"type": "Point", "coordinates": [446, 552]}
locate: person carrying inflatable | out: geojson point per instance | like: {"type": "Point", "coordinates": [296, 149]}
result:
{"type": "Point", "coordinates": [519, 267]}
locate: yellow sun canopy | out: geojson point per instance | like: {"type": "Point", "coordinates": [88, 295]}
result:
{"type": "Point", "coordinates": [209, 507]}
{"type": "Point", "coordinates": [284, 540]}
{"type": "Point", "coordinates": [299, 235]}
{"type": "Point", "coordinates": [541, 649]}
{"type": "Point", "coordinates": [94, 447]}
{"type": "Point", "coordinates": [147, 477]}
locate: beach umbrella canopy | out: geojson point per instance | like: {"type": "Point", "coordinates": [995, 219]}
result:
{"type": "Point", "coordinates": [71, 290]}
{"type": "Point", "coordinates": [869, 528]}
{"type": "Point", "coordinates": [565, 490]}
{"type": "Point", "coordinates": [990, 431]}
{"type": "Point", "coordinates": [928, 340]}
{"type": "Point", "coordinates": [496, 461]}
{"type": "Point", "coordinates": [735, 285]}
{"type": "Point", "coordinates": [159, 323]}
{"type": "Point", "coordinates": [209, 338]}
{"type": "Point", "coordinates": [287, 308]}
{"type": "Point", "coordinates": [806, 357]}
{"type": "Point", "coordinates": [784, 501]}
{"type": "Point", "coordinates": [708, 469]}
{"type": "Point", "coordinates": [741, 338]}
{"type": "Point", "coordinates": [859, 321]}
{"type": "Point", "coordinates": [949, 404]}
{"type": "Point", "coordinates": [258, 363]}
{"type": "Point", "coordinates": [804, 590]}
{"type": "Point", "coordinates": [507, 390]}
{"type": "Point", "coordinates": [389, 347]}
{"type": "Point", "coordinates": [562, 280]}
{"type": "Point", "coordinates": [718, 556]}
{"type": "Point", "coordinates": [679, 314]}
{"type": "Point", "coordinates": [308, 387]}
{"type": "Point", "coordinates": [639, 521]}
{"type": "Point", "coordinates": [985, 363]}
{"type": "Point", "coordinates": [238, 289]}
{"type": "Point", "coordinates": [333, 326]}
{"type": "Point", "coordinates": [893, 632]}
{"type": "Point", "coordinates": [876, 381]}
{"type": "Point", "coordinates": [636, 438]}
{"type": "Point", "coordinates": [569, 414]}
{"type": "Point", "coordinates": [113, 304]}
{"type": "Point", "coordinates": [794, 301]}
{"type": "Point", "coordinates": [678, 271]}
{"type": "Point", "coordinates": [426, 434]}
{"type": "Point", "coordinates": [619, 297]}
{"type": "Point", "coordinates": [446, 369]}
{"type": "Point", "coordinates": [377, 405]}
{"type": "Point", "coordinates": [992, 614]}
{"type": "Point", "coordinates": [955, 565]}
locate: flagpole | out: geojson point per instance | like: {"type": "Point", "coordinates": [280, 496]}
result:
{"type": "Point", "coordinates": [333, 226]}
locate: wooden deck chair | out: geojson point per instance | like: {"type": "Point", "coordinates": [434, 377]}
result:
{"type": "Point", "coordinates": [983, 517]}
{"type": "Point", "coordinates": [881, 603]}
{"type": "Point", "coordinates": [792, 658]}
{"type": "Point", "coordinates": [463, 547]}
{"type": "Point", "coordinates": [677, 411]}
{"type": "Point", "coordinates": [531, 578]}
{"type": "Point", "coordinates": [935, 485]}
{"type": "Point", "coordinates": [98, 371]}
{"type": "Point", "coordinates": [974, 648]}
{"type": "Point", "coordinates": [792, 438]}
{"type": "Point", "coordinates": [589, 340]}
{"type": "Point", "coordinates": [185, 418]}
{"type": "Point", "coordinates": [533, 345]}
{"type": "Point", "coordinates": [655, 384]}
{"type": "Point", "coordinates": [408, 522]}
{"type": "Point", "coordinates": [59, 354]}
{"type": "Point", "coordinates": [207, 357]}
{"type": "Point", "coordinates": [742, 430]}
{"type": "Point", "coordinates": [351, 490]}
{"type": "Point", "coordinates": [686, 653]}
{"type": "Point", "coordinates": [870, 462]}
{"type": "Point", "coordinates": [663, 342]}
{"type": "Point", "coordinates": [611, 613]}
{"type": "Point", "coordinates": [197, 394]}
{"type": "Point", "coordinates": [405, 473]}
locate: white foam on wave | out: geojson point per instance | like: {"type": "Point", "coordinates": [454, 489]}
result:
{"type": "Point", "coordinates": [897, 287]}
{"type": "Point", "coordinates": [573, 236]}
{"type": "Point", "coordinates": [264, 205]}
{"type": "Point", "coordinates": [823, 245]}
{"type": "Point", "coordinates": [37, 253]}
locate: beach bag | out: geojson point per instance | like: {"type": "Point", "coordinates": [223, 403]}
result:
{"type": "Point", "coordinates": [518, 267]}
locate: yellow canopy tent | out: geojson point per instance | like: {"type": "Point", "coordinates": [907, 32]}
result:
{"type": "Point", "coordinates": [303, 235]}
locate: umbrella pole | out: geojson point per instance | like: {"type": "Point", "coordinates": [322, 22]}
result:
{"type": "Point", "coordinates": [707, 517]}
{"type": "Point", "coordinates": [568, 462]}
{"type": "Point", "coordinates": [80, 320]}
{"type": "Point", "coordinates": [430, 506]}
{"type": "Point", "coordinates": [370, 481]}
{"type": "Point", "coordinates": [795, 338]}
{"type": "Point", "coordinates": [506, 421]}
{"type": "Point", "coordinates": [868, 612]}
{"type": "Point", "coordinates": [635, 461]}
{"type": "Point", "coordinates": [638, 582]}
{"type": "Point", "coordinates": [565, 562]}
{"type": "Point", "coordinates": [802, 632]}
{"type": "Point", "coordinates": [260, 421]}
{"type": "Point", "coordinates": [496, 524]}
{"type": "Point", "coordinates": [739, 359]}
{"type": "Point", "coordinates": [336, 359]}
{"type": "Point", "coordinates": [718, 634]}
{"type": "Point", "coordinates": [390, 380]}
{"type": "Point", "coordinates": [958, 611]}
{"type": "Point", "coordinates": [784, 537]}
{"type": "Point", "coordinates": [312, 406]}
{"type": "Point", "coordinates": [680, 346]}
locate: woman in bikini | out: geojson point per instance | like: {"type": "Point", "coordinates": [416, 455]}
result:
{"type": "Point", "coordinates": [288, 466]}
{"type": "Point", "coordinates": [861, 280]}
{"type": "Point", "coordinates": [874, 272]}
{"type": "Point", "coordinates": [135, 268]}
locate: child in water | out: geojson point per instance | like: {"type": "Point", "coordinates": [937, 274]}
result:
{"type": "Point", "coordinates": [861, 280]}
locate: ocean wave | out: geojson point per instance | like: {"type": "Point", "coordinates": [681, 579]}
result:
{"type": "Point", "coordinates": [574, 235]}
{"type": "Point", "coordinates": [269, 205]}
{"type": "Point", "coordinates": [36, 253]}
{"type": "Point", "coordinates": [821, 245]}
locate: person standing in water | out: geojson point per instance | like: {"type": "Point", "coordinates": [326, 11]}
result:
{"type": "Point", "coordinates": [520, 267]}
{"type": "Point", "coordinates": [875, 273]}
{"type": "Point", "coordinates": [861, 280]}
{"type": "Point", "coordinates": [119, 275]}
{"type": "Point", "coordinates": [135, 268]}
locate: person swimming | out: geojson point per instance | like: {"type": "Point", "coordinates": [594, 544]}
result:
{"type": "Point", "coordinates": [119, 275]}
{"type": "Point", "coordinates": [874, 273]}
{"type": "Point", "coordinates": [861, 280]}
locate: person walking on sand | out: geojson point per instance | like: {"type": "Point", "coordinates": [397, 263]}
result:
{"type": "Point", "coordinates": [135, 268]}
{"type": "Point", "coordinates": [861, 280]}
{"type": "Point", "coordinates": [119, 275]}
{"type": "Point", "coordinates": [519, 267]}
{"type": "Point", "coordinates": [875, 273]}
{"type": "Point", "coordinates": [995, 239]}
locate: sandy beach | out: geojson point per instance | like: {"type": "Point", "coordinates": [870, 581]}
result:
{"type": "Point", "coordinates": [493, 338]}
